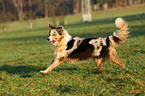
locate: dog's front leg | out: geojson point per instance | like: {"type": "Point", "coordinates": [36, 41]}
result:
{"type": "Point", "coordinates": [53, 65]}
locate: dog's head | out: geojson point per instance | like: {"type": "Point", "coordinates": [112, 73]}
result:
{"type": "Point", "coordinates": [55, 34]}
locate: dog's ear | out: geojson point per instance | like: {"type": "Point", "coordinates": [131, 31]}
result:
{"type": "Point", "coordinates": [51, 27]}
{"type": "Point", "coordinates": [59, 30]}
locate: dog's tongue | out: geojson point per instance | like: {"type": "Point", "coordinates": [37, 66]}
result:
{"type": "Point", "coordinates": [55, 41]}
{"type": "Point", "coordinates": [52, 43]}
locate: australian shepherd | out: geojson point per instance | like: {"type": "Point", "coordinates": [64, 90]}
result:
{"type": "Point", "coordinates": [75, 48]}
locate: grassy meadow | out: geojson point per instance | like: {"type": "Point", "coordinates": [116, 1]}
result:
{"type": "Point", "coordinates": [24, 52]}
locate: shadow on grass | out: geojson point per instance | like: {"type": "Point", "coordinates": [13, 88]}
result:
{"type": "Point", "coordinates": [32, 40]}
{"type": "Point", "coordinates": [135, 30]}
{"type": "Point", "coordinates": [135, 33]}
{"type": "Point", "coordinates": [65, 89]}
{"type": "Point", "coordinates": [66, 69]}
{"type": "Point", "coordinates": [78, 70]}
{"type": "Point", "coordinates": [25, 38]}
{"type": "Point", "coordinates": [137, 17]}
{"type": "Point", "coordinates": [24, 70]}
{"type": "Point", "coordinates": [139, 32]}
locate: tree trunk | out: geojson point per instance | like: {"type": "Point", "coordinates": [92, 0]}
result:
{"type": "Point", "coordinates": [19, 5]}
{"type": "Point", "coordinates": [21, 17]}
{"type": "Point", "coordinates": [46, 8]}
{"type": "Point", "coordinates": [30, 9]}
{"type": "Point", "coordinates": [125, 3]}
{"type": "Point", "coordinates": [4, 9]}
{"type": "Point", "coordinates": [76, 6]}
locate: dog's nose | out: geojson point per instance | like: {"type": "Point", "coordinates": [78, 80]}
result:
{"type": "Point", "coordinates": [48, 39]}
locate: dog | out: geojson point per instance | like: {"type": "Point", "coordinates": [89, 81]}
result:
{"type": "Point", "coordinates": [100, 49]}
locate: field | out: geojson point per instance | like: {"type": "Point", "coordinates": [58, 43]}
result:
{"type": "Point", "coordinates": [24, 52]}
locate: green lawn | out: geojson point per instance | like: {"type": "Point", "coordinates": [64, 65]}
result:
{"type": "Point", "coordinates": [24, 52]}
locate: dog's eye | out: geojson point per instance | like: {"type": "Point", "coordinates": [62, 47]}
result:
{"type": "Point", "coordinates": [53, 34]}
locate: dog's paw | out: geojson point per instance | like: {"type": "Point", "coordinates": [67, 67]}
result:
{"type": "Point", "coordinates": [123, 67]}
{"type": "Point", "coordinates": [100, 70]}
{"type": "Point", "coordinates": [43, 72]}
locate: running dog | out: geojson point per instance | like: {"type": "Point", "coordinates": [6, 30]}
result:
{"type": "Point", "coordinates": [99, 49]}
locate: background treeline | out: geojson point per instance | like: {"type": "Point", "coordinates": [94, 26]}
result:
{"type": "Point", "coordinates": [12, 10]}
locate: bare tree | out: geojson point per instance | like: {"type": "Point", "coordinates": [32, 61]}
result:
{"type": "Point", "coordinates": [46, 8]}
{"type": "Point", "coordinates": [19, 6]}
{"type": "Point", "coordinates": [76, 6]}
{"type": "Point", "coordinates": [30, 9]}
{"type": "Point", "coordinates": [4, 9]}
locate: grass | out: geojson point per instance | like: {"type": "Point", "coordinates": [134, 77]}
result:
{"type": "Point", "coordinates": [24, 52]}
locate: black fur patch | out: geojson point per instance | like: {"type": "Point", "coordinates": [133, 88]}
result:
{"type": "Point", "coordinates": [108, 42]}
{"type": "Point", "coordinates": [84, 50]}
{"type": "Point", "coordinates": [105, 49]}
{"type": "Point", "coordinates": [70, 44]}
{"type": "Point", "coordinates": [52, 27]}
{"type": "Point", "coordinates": [116, 39]}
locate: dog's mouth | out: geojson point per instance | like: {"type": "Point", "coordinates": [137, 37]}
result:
{"type": "Point", "coordinates": [52, 42]}
{"type": "Point", "coordinates": [55, 40]}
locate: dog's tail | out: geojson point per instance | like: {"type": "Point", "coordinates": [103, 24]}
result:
{"type": "Point", "coordinates": [121, 33]}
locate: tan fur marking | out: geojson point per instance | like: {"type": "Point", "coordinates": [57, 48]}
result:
{"type": "Point", "coordinates": [99, 63]}
{"type": "Point", "coordinates": [114, 58]}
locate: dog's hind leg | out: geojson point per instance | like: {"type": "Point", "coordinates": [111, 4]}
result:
{"type": "Point", "coordinates": [114, 58]}
{"type": "Point", "coordinates": [99, 63]}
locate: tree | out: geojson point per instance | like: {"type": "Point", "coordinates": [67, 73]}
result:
{"type": "Point", "coordinates": [4, 9]}
{"type": "Point", "coordinates": [46, 8]}
{"type": "Point", "coordinates": [76, 6]}
{"type": "Point", "coordinates": [30, 9]}
{"type": "Point", "coordinates": [19, 6]}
